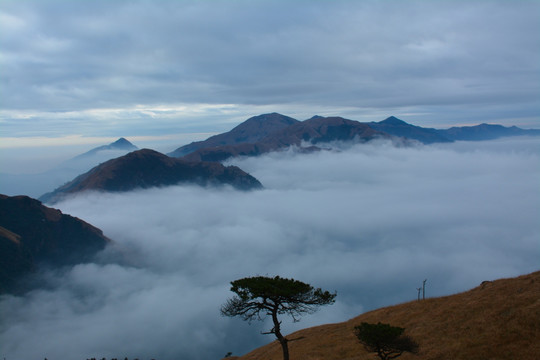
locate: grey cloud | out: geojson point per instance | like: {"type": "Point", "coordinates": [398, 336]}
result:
{"type": "Point", "coordinates": [370, 222]}
{"type": "Point", "coordinates": [361, 54]}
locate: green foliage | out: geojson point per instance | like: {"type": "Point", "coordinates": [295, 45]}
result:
{"type": "Point", "coordinates": [260, 296]}
{"type": "Point", "coordinates": [265, 295]}
{"type": "Point", "coordinates": [386, 340]}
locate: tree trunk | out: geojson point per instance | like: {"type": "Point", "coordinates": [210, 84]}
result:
{"type": "Point", "coordinates": [282, 340]}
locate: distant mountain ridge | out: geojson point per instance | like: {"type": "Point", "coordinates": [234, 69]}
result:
{"type": "Point", "coordinates": [250, 131]}
{"type": "Point", "coordinates": [120, 144]}
{"type": "Point", "coordinates": [32, 234]}
{"type": "Point", "coordinates": [148, 168]}
{"type": "Point", "coordinates": [281, 132]}
{"type": "Point", "coordinates": [485, 132]}
{"type": "Point", "coordinates": [304, 135]}
{"type": "Point", "coordinates": [198, 162]}
{"type": "Point", "coordinates": [35, 185]}
{"type": "Point", "coordinates": [397, 127]}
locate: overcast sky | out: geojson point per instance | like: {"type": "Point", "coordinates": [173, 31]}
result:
{"type": "Point", "coordinates": [99, 69]}
{"type": "Point", "coordinates": [370, 223]}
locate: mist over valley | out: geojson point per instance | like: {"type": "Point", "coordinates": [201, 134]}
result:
{"type": "Point", "coordinates": [368, 220]}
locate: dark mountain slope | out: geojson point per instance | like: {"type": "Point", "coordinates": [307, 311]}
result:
{"type": "Point", "coordinates": [148, 168]}
{"type": "Point", "coordinates": [323, 129]}
{"type": "Point", "coordinates": [397, 127]}
{"type": "Point", "coordinates": [250, 131]}
{"type": "Point", "coordinates": [305, 135]}
{"type": "Point", "coordinates": [32, 234]}
{"type": "Point", "coordinates": [222, 153]}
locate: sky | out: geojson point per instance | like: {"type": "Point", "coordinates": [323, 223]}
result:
{"type": "Point", "coordinates": [167, 72]}
{"type": "Point", "coordinates": [371, 222]}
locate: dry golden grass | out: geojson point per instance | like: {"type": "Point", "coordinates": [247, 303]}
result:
{"type": "Point", "coordinates": [497, 320]}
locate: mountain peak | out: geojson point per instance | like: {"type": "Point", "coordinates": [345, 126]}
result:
{"type": "Point", "coordinates": [270, 117]}
{"type": "Point", "coordinates": [148, 168]}
{"type": "Point", "coordinates": [122, 143]}
{"type": "Point", "coordinates": [397, 127]}
{"type": "Point", "coordinates": [392, 120]}
{"type": "Point", "coordinates": [250, 131]}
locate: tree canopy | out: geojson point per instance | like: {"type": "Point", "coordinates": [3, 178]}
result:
{"type": "Point", "coordinates": [260, 296]}
{"type": "Point", "coordinates": [386, 340]}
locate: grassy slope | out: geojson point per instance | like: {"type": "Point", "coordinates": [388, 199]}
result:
{"type": "Point", "coordinates": [496, 320]}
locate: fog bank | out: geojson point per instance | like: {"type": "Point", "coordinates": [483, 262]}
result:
{"type": "Point", "coordinates": [370, 222]}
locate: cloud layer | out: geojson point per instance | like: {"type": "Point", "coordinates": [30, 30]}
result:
{"type": "Point", "coordinates": [151, 64]}
{"type": "Point", "coordinates": [370, 222]}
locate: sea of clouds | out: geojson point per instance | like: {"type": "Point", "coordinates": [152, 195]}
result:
{"type": "Point", "coordinates": [371, 222]}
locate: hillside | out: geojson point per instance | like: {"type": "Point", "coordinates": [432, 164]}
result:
{"type": "Point", "coordinates": [303, 135]}
{"type": "Point", "coordinates": [250, 131]}
{"type": "Point", "coordinates": [148, 168]}
{"type": "Point", "coordinates": [397, 127]}
{"type": "Point", "coordinates": [496, 320]}
{"type": "Point", "coordinates": [32, 234]}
